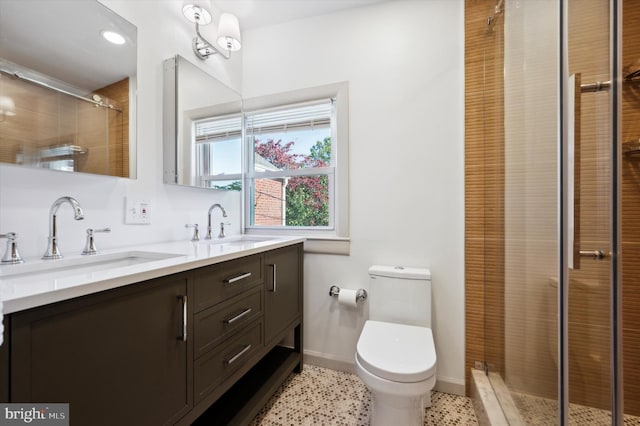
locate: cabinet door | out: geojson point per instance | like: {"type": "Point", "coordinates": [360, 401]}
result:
{"type": "Point", "coordinates": [283, 295]}
{"type": "Point", "coordinates": [118, 357]}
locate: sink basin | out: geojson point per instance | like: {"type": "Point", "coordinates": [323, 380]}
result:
{"type": "Point", "coordinates": [61, 268]}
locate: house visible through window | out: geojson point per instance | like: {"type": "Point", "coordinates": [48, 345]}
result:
{"type": "Point", "coordinates": [291, 167]}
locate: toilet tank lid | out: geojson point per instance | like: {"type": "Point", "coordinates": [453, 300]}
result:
{"type": "Point", "coordinates": [400, 272]}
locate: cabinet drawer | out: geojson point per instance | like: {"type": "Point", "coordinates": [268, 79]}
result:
{"type": "Point", "coordinates": [213, 368]}
{"type": "Point", "coordinates": [219, 282]}
{"type": "Point", "coordinates": [215, 324]}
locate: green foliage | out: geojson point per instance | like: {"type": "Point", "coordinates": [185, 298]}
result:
{"type": "Point", "coordinates": [307, 201]}
{"type": "Point", "coordinates": [233, 186]}
{"type": "Point", "coordinates": [307, 197]}
{"type": "Point", "coordinates": [321, 151]}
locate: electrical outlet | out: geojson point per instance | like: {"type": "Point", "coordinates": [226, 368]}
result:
{"type": "Point", "coordinates": [137, 212]}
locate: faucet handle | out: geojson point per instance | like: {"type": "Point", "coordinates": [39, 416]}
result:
{"type": "Point", "coordinates": [196, 233]}
{"type": "Point", "coordinates": [90, 246]}
{"type": "Point", "coordinates": [222, 224]}
{"type": "Point", "coordinates": [11, 255]}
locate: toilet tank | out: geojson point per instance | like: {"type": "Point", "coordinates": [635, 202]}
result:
{"type": "Point", "coordinates": [400, 295]}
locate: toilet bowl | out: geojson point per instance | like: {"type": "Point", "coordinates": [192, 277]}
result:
{"type": "Point", "coordinates": [395, 354]}
{"type": "Point", "coordinates": [398, 364]}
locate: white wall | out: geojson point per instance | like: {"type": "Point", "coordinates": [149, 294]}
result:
{"type": "Point", "coordinates": [26, 194]}
{"type": "Point", "coordinates": [404, 62]}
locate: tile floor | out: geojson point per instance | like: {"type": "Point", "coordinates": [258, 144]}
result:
{"type": "Point", "coordinates": [539, 411]}
{"type": "Point", "coordinates": [319, 396]}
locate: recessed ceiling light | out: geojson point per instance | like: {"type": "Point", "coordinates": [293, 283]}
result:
{"type": "Point", "coordinates": [112, 37]}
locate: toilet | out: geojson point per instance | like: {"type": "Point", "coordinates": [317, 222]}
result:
{"type": "Point", "coordinates": [395, 354]}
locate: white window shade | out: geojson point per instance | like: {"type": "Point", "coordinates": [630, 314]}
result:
{"type": "Point", "coordinates": [211, 130]}
{"type": "Point", "coordinates": [313, 115]}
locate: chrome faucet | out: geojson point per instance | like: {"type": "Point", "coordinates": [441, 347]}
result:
{"type": "Point", "coordinates": [224, 214]}
{"type": "Point", "coordinates": [90, 245]}
{"type": "Point", "coordinates": [11, 255]}
{"type": "Point", "coordinates": [53, 252]}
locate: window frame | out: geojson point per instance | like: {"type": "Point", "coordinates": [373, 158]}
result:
{"type": "Point", "coordinates": [338, 180]}
{"type": "Point", "coordinates": [220, 177]}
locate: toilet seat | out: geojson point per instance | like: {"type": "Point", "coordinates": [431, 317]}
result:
{"type": "Point", "coordinates": [397, 352]}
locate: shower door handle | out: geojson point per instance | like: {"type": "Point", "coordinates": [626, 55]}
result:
{"type": "Point", "coordinates": [573, 162]}
{"type": "Point", "coordinates": [594, 254]}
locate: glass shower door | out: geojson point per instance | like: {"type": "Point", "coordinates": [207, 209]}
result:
{"type": "Point", "coordinates": [588, 284]}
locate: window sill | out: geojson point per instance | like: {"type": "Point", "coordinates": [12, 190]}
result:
{"type": "Point", "coordinates": [332, 245]}
{"type": "Point", "coordinates": [314, 243]}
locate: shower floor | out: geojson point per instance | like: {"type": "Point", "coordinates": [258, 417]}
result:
{"type": "Point", "coordinates": [536, 410]}
{"type": "Point", "coordinates": [516, 408]}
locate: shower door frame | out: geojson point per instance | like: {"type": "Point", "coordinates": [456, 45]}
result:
{"type": "Point", "coordinates": [565, 243]}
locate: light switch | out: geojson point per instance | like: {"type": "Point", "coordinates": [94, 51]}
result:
{"type": "Point", "coordinates": [137, 212]}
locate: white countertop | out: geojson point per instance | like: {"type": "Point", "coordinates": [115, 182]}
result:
{"type": "Point", "coordinates": [36, 283]}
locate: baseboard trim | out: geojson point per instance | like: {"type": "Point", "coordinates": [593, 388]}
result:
{"type": "Point", "coordinates": [450, 385]}
{"type": "Point", "coordinates": [443, 384]}
{"type": "Point", "coordinates": [320, 359]}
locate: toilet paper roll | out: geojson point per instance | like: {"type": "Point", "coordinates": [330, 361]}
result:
{"type": "Point", "coordinates": [347, 297]}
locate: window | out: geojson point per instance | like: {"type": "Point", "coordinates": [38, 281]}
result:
{"type": "Point", "coordinates": [293, 166]}
{"type": "Point", "coordinates": [296, 163]}
{"type": "Point", "coordinates": [218, 152]}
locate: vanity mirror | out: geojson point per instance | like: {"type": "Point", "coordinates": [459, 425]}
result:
{"type": "Point", "coordinates": [202, 128]}
{"type": "Point", "coordinates": [67, 87]}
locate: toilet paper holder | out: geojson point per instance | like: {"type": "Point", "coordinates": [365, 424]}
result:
{"type": "Point", "coordinates": [361, 294]}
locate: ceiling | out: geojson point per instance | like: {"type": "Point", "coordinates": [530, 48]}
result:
{"type": "Point", "coordinates": [58, 44]}
{"type": "Point", "coordinates": [68, 48]}
{"type": "Point", "coordinates": [260, 13]}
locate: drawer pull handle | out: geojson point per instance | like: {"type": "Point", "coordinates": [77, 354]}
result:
{"type": "Point", "coordinates": [238, 355]}
{"type": "Point", "coordinates": [184, 318]}
{"type": "Point", "coordinates": [274, 277]}
{"type": "Point", "coordinates": [237, 317]}
{"type": "Point", "coordinates": [237, 278]}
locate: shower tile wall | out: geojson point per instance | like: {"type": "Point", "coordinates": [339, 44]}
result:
{"type": "Point", "coordinates": [631, 213]}
{"type": "Point", "coordinates": [484, 189]}
{"type": "Point", "coordinates": [63, 120]}
{"type": "Point", "coordinates": [531, 221]}
{"type": "Point", "coordinates": [589, 300]}
{"type": "Point", "coordinates": [118, 93]}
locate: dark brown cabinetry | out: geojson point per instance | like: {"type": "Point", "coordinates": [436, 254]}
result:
{"type": "Point", "coordinates": [283, 302]}
{"type": "Point", "coordinates": [201, 345]}
{"type": "Point", "coordinates": [115, 357]}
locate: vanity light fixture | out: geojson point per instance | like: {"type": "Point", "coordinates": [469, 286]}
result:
{"type": "Point", "coordinates": [112, 37]}
{"type": "Point", "coordinates": [229, 38]}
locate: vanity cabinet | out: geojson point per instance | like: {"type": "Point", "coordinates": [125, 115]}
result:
{"type": "Point", "coordinates": [116, 357]}
{"type": "Point", "coordinates": [201, 346]}
{"type": "Point", "coordinates": [283, 301]}
{"type": "Point", "coordinates": [249, 306]}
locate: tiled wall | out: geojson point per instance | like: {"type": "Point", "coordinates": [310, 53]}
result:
{"type": "Point", "coordinates": [589, 298]}
{"type": "Point", "coordinates": [484, 188]}
{"type": "Point", "coordinates": [45, 118]}
{"type": "Point", "coordinates": [631, 213]}
{"type": "Point", "coordinates": [118, 93]}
